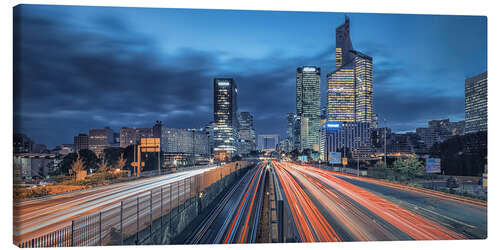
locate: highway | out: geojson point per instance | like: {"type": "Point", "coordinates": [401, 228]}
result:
{"type": "Point", "coordinates": [327, 206]}
{"type": "Point", "coordinates": [236, 218]}
{"type": "Point", "coordinates": [36, 217]}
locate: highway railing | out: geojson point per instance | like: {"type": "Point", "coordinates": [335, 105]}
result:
{"type": "Point", "coordinates": [136, 218]}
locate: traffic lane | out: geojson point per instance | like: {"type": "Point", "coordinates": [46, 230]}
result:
{"type": "Point", "coordinates": [43, 227]}
{"type": "Point", "coordinates": [218, 226]}
{"type": "Point", "coordinates": [25, 209]}
{"type": "Point", "coordinates": [84, 204]}
{"type": "Point", "coordinates": [461, 217]}
{"type": "Point", "coordinates": [58, 215]}
{"type": "Point", "coordinates": [416, 226]}
{"type": "Point", "coordinates": [351, 221]}
{"type": "Point", "coordinates": [248, 230]}
{"type": "Point", "coordinates": [310, 223]}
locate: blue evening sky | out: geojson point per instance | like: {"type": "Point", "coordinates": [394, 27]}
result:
{"type": "Point", "coordinates": [106, 66]}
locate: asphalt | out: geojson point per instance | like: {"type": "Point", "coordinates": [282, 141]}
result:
{"type": "Point", "coordinates": [235, 219]}
{"type": "Point", "coordinates": [327, 206]}
{"type": "Point", "coordinates": [461, 217]}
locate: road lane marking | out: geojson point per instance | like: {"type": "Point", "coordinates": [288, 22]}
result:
{"type": "Point", "coordinates": [444, 216]}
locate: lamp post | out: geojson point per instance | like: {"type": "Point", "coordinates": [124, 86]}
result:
{"type": "Point", "coordinates": [385, 142]}
{"type": "Point", "coordinates": [358, 139]}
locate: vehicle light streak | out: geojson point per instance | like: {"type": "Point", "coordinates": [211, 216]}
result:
{"type": "Point", "coordinates": [362, 214]}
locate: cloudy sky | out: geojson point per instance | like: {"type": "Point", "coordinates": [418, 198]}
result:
{"type": "Point", "coordinates": [77, 68]}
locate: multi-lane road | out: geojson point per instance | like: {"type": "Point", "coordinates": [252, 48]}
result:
{"type": "Point", "coordinates": [324, 206]}
{"type": "Point", "coordinates": [330, 206]}
{"type": "Point", "coordinates": [40, 216]}
{"type": "Point", "coordinates": [236, 218]}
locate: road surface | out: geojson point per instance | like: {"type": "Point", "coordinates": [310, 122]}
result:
{"type": "Point", "coordinates": [327, 206]}
{"type": "Point", "coordinates": [37, 217]}
{"type": "Point", "coordinates": [236, 218]}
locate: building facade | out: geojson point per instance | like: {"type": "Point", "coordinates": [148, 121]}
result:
{"type": "Point", "coordinates": [457, 128]}
{"type": "Point", "coordinates": [225, 115]}
{"type": "Point", "coordinates": [132, 136]}
{"type": "Point", "coordinates": [100, 139]}
{"type": "Point", "coordinates": [268, 142]}
{"type": "Point", "coordinates": [428, 136]}
{"type": "Point", "coordinates": [363, 74]}
{"type": "Point", "coordinates": [81, 141]}
{"type": "Point", "coordinates": [308, 105]}
{"type": "Point", "coordinates": [476, 103]}
{"type": "Point", "coordinates": [347, 136]}
{"type": "Point", "coordinates": [246, 133]}
{"type": "Point", "coordinates": [190, 141]}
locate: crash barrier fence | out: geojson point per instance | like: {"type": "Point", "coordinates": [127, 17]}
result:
{"type": "Point", "coordinates": [138, 216]}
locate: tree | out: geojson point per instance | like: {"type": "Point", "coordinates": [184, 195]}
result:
{"type": "Point", "coordinates": [89, 158]}
{"type": "Point", "coordinates": [380, 164]}
{"type": "Point", "coordinates": [113, 154]}
{"type": "Point", "coordinates": [409, 168]}
{"type": "Point", "coordinates": [103, 165]}
{"type": "Point", "coordinates": [77, 166]}
{"type": "Point", "coordinates": [121, 162]}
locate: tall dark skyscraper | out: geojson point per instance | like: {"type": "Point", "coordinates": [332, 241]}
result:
{"type": "Point", "coordinates": [225, 115]}
{"type": "Point", "coordinates": [476, 103]}
{"type": "Point", "coordinates": [343, 46]}
{"type": "Point", "coordinates": [308, 104]}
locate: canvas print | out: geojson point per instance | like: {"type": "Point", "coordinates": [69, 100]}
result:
{"type": "Point", "coordinates": [159, 126]}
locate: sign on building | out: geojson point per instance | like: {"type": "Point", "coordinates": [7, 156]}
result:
{"type": "Point", "coordinates": [334, 158]}
{"type": "Point", "coordinates": [433, 165]}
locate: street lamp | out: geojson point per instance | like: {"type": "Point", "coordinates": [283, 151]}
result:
{"type": "Point", "coordinates": [385, 142]}
{"type": "Point", "coordinates": [358, 139]}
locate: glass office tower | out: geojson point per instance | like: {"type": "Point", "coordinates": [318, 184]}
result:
{"type": "Point", "coordinates": [308, 104]}
{"type": "Point", "coordinates": [225, 115]}
{"type": "Point", "coordinates": [476, 103]}
{"type": "Point", "coordinates": [350, 86]}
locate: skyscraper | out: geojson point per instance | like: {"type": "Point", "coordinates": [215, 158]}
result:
{"type": "Point", "coordinates": [350, 85]}
{"type": "Point", "coordinates": [363, 72]}
{"type": "Point", "coordinates": [246, 133]}
{"type": "Point", "coordinates": [343, 44]}
{"type": "Point", "coordinates": [308, 105]}
{"type": "Point", "coordinates": [476, 103]}
{"type": "Point", "coordinates": [225, 115]}
{"type": "Point", "coordinates": [290, 131]}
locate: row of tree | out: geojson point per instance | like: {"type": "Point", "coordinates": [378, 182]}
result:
{"type": "Point", "coordinates": [115, 157]}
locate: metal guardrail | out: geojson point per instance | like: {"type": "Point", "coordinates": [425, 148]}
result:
{"type": "Point", "coordinates": [133, 217]}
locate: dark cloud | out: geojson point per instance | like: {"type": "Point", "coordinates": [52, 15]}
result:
{"type": "Point", "coordinates": [69, 78]}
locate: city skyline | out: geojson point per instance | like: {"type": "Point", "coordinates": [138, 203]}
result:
{"type": "Point", "coordinates": [131, 78]}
